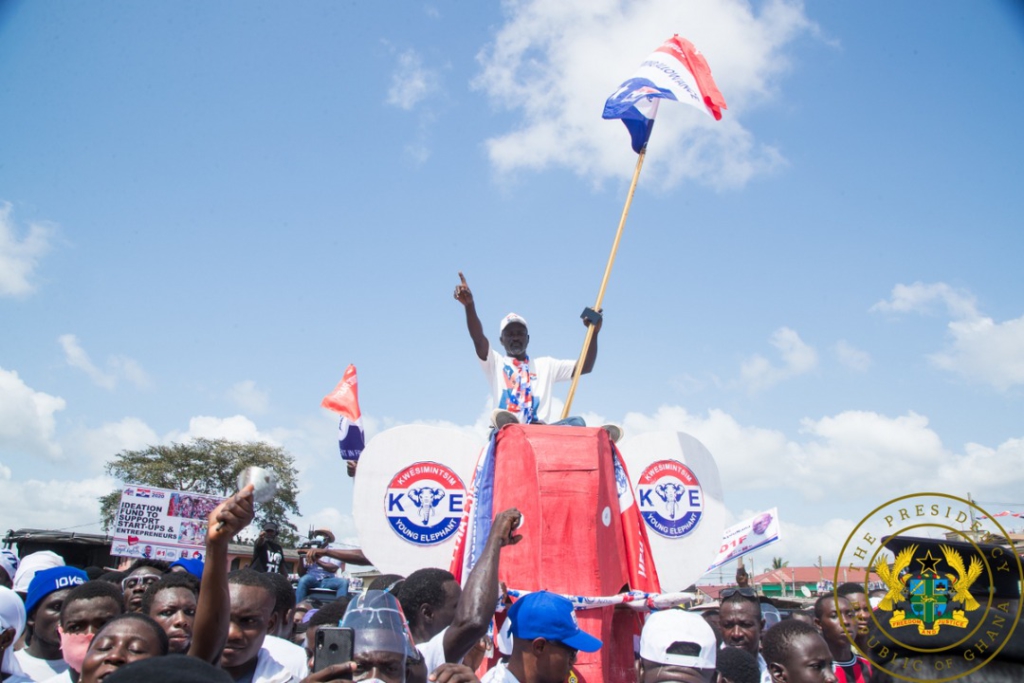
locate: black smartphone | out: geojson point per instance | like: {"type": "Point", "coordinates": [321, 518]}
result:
{"type": "Point", "coordinates": [333, 646]}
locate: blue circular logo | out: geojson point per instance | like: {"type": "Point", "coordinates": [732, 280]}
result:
{"type": "Point", "coordinates": [670, 498]}
{"type": "Point", "coordinates": [424, 503]}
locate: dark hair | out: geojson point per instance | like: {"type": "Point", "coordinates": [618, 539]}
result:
{"type": "Point", "coordinates": [170, 669]}
{"type": "Point", "coordinates": [284, 594]}
{"type": "Point", "coordinates": [331, 613]}
{"type": "Point", "coordinates": [250, 577]}
{"type": "Point", "coordinates": [113, 577]}
{"type": "Point", "coordinates": [738, 665]}
{"type": "Point", "coordinates": [164, 567]}
{"type": "Point", "coordinates": [148, 621]}
{"type": "Point", "coordinates": [849, 588]}
{"type": "Point", "coordinates": [389, 583]}
{"type": "Point", "coordinates": [777, 641]}
{"type": "Point", "coordinates": [819, 604]}
{"type": "Point", "coordinates": [423, 587]}
{"type": "Point", "coordinates": [94, 572]}
{"type": "Point", "coordinates": [90, 590]}
{"type": "Point", "coordinates": [167, 581]}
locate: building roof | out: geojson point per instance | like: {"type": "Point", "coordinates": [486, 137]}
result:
{"type": "Point", "coordinates": [811, 574]}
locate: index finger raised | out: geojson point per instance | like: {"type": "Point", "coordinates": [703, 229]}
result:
{"type": "Point", "coordinates": [462, 277]}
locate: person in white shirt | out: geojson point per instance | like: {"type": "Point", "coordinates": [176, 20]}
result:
{"type": "Point", "coordinates": [521, 385]}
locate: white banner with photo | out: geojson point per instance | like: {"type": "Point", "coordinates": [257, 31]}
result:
{"type": "Point", "coordinates": [161, 524]}
{"type": "Point", "coordinates": [747, 536]}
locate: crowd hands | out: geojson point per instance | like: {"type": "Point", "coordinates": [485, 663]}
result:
{"type": "Point", "coordinates": [186, 622]}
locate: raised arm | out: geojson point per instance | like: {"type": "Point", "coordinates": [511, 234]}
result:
{"type": "Point", "coordinates": [476, 329]}
{"type": "Point", "coordinates": [591, 358]}
{"type": "Point", "coordinates": [480, 596]}
{"type": "Point", "coordinates": [213, 612]}
{"type": "Point", "coordinates": [346, 555]}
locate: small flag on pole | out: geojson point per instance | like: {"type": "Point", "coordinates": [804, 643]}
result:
{"type": "Point", "coordinates": [675, 71]}
{"type": "Point", "coordinates": [345, 400]}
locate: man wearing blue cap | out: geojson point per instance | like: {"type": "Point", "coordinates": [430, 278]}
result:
{"type": "Point", "coordinates": [545, 640]}
{"type": "Point", "coordinates": [41, 658]}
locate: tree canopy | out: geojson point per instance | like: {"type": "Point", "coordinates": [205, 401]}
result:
{"type": "Point", "coordinates": [209, 466]}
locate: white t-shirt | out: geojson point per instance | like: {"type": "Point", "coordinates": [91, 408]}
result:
{"type": "Point", "coordinates": [291, 656]}
{"type": "Point", "coordinates": [319, 572]}
{"type": "Point", "coordinates": [269, 670]}
{"type": "Point", "coordinates": [433, 652]}
{"type": "Point", "coordinates": [22, 664]}
{"type": "Point", "coordinates": [59, 678]}
{"type": "Point", "coordinates": [544, 372]}
{"type": "Point", "coordinates": [499, 673]}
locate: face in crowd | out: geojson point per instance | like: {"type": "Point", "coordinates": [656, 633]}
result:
{"type": "Point", "coordinates": [741, 623]}
{"type": "Point", "coordinates": [808, 660]}
{"type": "Point", "coordinates": [515, 339]}
{"type": "Point", "coordinates": [174, 608]}
{"type": "Point", "coordinates": [836, 614]}
{"type": "Point", "coordinates": [134, 586]}
{"type": "Point", "coordinates": [44, 621]}
{"type": "Point", "coordinates": [252, 610]}
{"type": "Point", "coordinates": [125, 639]}
{"type": "Point", "coordinates": [862, 614]}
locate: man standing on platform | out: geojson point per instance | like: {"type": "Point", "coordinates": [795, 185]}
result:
{"type": "Point", "coordinates": [521, 385]}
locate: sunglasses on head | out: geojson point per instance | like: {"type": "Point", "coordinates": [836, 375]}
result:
{"type": "Point", "coordinates": [748, 593]}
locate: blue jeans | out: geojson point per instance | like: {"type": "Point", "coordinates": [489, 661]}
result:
{"type": "Point", "coordinates": [307, 583]}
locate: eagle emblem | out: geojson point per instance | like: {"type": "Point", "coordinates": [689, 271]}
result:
{"type": "Point", "coordinates": [928, 597]}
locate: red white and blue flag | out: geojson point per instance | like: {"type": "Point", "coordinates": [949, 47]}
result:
{"type": "Point", "coordinates": [675, 71]}
{"type": "Point", "coordinates": [345, 400]}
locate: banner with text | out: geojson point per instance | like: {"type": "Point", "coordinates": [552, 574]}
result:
{"type": "Point", "coordinates": [747, 536]}
{"type": "Point", "coordinates": [161, 524]}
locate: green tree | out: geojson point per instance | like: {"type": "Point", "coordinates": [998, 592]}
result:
{"type": "Point", "coordinates": [779, 563]}
{"type": "Point", "coordinates": [208, 466]}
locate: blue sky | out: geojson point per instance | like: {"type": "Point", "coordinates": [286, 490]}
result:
{"type": "Point", "coordinates": [210, 209]}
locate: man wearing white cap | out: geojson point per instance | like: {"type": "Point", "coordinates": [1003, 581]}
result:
{"type": "Point", "coordinates": [677, 646]}
{"type": "Point", "coordinates": [521, 385]}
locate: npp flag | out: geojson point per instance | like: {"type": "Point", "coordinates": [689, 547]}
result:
{"type": "Point", "coordinates": [345, 400]}
{"type": "Point", "coordinates": [675, 71]}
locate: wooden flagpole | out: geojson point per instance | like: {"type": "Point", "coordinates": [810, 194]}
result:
{"type": "Point", "coordinates": [604, 281]}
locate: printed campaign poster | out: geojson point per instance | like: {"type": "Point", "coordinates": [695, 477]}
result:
{"type": "Point", "coordinates": [160, 524]}
{"type": "Point", "coordinates": [747, 536]}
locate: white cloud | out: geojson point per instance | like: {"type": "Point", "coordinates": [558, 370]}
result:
{"type": "Point", "coordinates": [342, 524]}
{"type": "Point", "coordinates": [103, 443]}
{"type": "Point", "coordinates": [411, 82]}
{"type": "Point", "coordinates": [119, 366]}
{"type": "Point", "coordinates": [234, 428]}
{"type": "Point", "coordinates": [798, 358]}
{"type": "Point", "coordinates": [27, 422]}
{"type": "Point", "coordinates": [19, 257]}
{"type": "Point", "coordinates": [920, 298]}
{"type": "Point", "coordinates": [247, 397]}
{"type": "Point", "coordinates": [842, 456]}
{"type": "Point", "coordinates": [980, 349]}
{"type": "Point", "coordinates": [852, 357]}
{"type": "Point", "coordinates": [557, 62]}
{"type": "Point", "coordinates": [36, 504]}
{"type": "Point", "coordinates": [983, 350]}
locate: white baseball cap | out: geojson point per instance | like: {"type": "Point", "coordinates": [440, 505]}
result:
{"type": "Point", "coordinates": [678, 638]}
{"type": "Point", "coordinates": [512, 318]}
{"type": "Point", "coordinates": [30, 564]}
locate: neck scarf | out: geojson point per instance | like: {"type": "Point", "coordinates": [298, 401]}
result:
{"type": "Point", "coordinates": [518, 391]}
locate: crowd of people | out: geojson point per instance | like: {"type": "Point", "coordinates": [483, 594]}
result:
{"type": "Point", "coordinates": [198, 621]}
{"type": "Point", "coordinates": [194, 620]}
